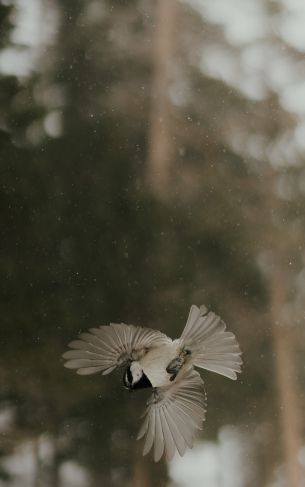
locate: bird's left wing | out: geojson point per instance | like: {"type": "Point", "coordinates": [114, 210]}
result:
{"type": "Point", "coordinates": [105, 348]}
{"type": "Point", "coordinates": [173, 416]}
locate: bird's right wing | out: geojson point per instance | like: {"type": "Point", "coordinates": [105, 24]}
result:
{"type": "Point", "coordinates": [105, 348]}
{"type": "Point", "coordinates": [173, 416]}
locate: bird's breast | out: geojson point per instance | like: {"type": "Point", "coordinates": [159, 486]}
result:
{"type": "Point", "coordinates": [156, 360]}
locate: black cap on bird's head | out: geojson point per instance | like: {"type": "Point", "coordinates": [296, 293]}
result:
{"type": "Point", "coordinates": [134, 377]}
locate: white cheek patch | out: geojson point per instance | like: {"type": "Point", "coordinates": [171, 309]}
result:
{"type": "Point", "coordinates": [136, 371]}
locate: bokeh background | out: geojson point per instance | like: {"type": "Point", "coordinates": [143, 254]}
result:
{"type": "Point", "coordinates": [151, 157]}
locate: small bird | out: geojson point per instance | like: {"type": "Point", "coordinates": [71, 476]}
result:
{"type": "Point", "coordinates": [152, 360]}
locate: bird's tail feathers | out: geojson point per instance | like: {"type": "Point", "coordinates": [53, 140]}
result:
{"type": "Point", "coordinates": [210, 346]}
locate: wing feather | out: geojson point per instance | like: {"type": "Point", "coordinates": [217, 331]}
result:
{"type": "Point", "coordinates": [150, 432]}
{"type": "Point", "coordinates": [169, 444]}
{"type": "Point", "coordinates": [171, 436]}
{"type": "Point", "coordinates": [186, 433]}
{"type": "Point", "coordinates": [173, 416]}
{"type": "Point", "coordinates": [90, 370]}
{"type": "Point", "coordinates": [105, 348]}
{"type": "Point", "coordinates": [78, 363]}
{"type": "Point", "coordinates": [91, 339]}
{"type": "Point", "coordinates": [158, 443]}
{"type": "Point", "coordinates": [185, 418]}
{"type": "Point", "coordinates": [82, 345]}
{"type": "Point", "coordinates": [81, 354]}
{"type": "Point", "coordinates": [177, 436]}
{"type": "Point", "coordinates": [143, 428]}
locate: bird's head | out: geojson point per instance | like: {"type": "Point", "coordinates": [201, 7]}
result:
{"type": "Point", "coordinates": [134, 377]}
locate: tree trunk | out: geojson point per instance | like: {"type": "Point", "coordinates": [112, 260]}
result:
{"type": "Point", "coordinates": [53, 470]}
{"type": "Point", "coordinates": [160, 144]}
{"type": "Point", "coordinates": [286, 375]}
{"type": "Point", "coordinates": [147, 473]}
{"type": "Point", "coordinates": [141, 475]}
{"type": "Point", "coordinates": [37, 463]}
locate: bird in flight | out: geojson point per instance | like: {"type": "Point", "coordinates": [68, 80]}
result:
{"type": "Point", "coordinates": [151, 359]}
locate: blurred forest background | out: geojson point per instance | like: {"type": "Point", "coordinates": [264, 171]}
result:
{"type": "Point", "coordinates": [151, 157]}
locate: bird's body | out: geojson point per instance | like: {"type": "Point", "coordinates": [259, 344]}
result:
{"type": "Point", "coordinates": [153, 360]}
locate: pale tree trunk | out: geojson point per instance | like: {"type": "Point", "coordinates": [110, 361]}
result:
{"type": "Point", "coordinates": [46, 473]}
{"type": "Point", "coordinates": [160, 140]}
{"type": "Point", "coordinates": [37, 463]}
{"type": "Point", "coordinates": [52, 470]}
{"type": "Point", "coordinates": [286, 375]}
{"type": "Point", "coordinates": [266, 454]}
{"type": "Point", "coordinates": [147, 473]}
{"type": "Point", "coordinates": [141, 476]}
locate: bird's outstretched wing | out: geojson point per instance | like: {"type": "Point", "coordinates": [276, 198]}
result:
{"type": "Point", "coordinates": [211, 347]}
{"type": "Point", "coordinates": [105, 348]}
{"type": "Point", "coordinates": [173, 416]}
